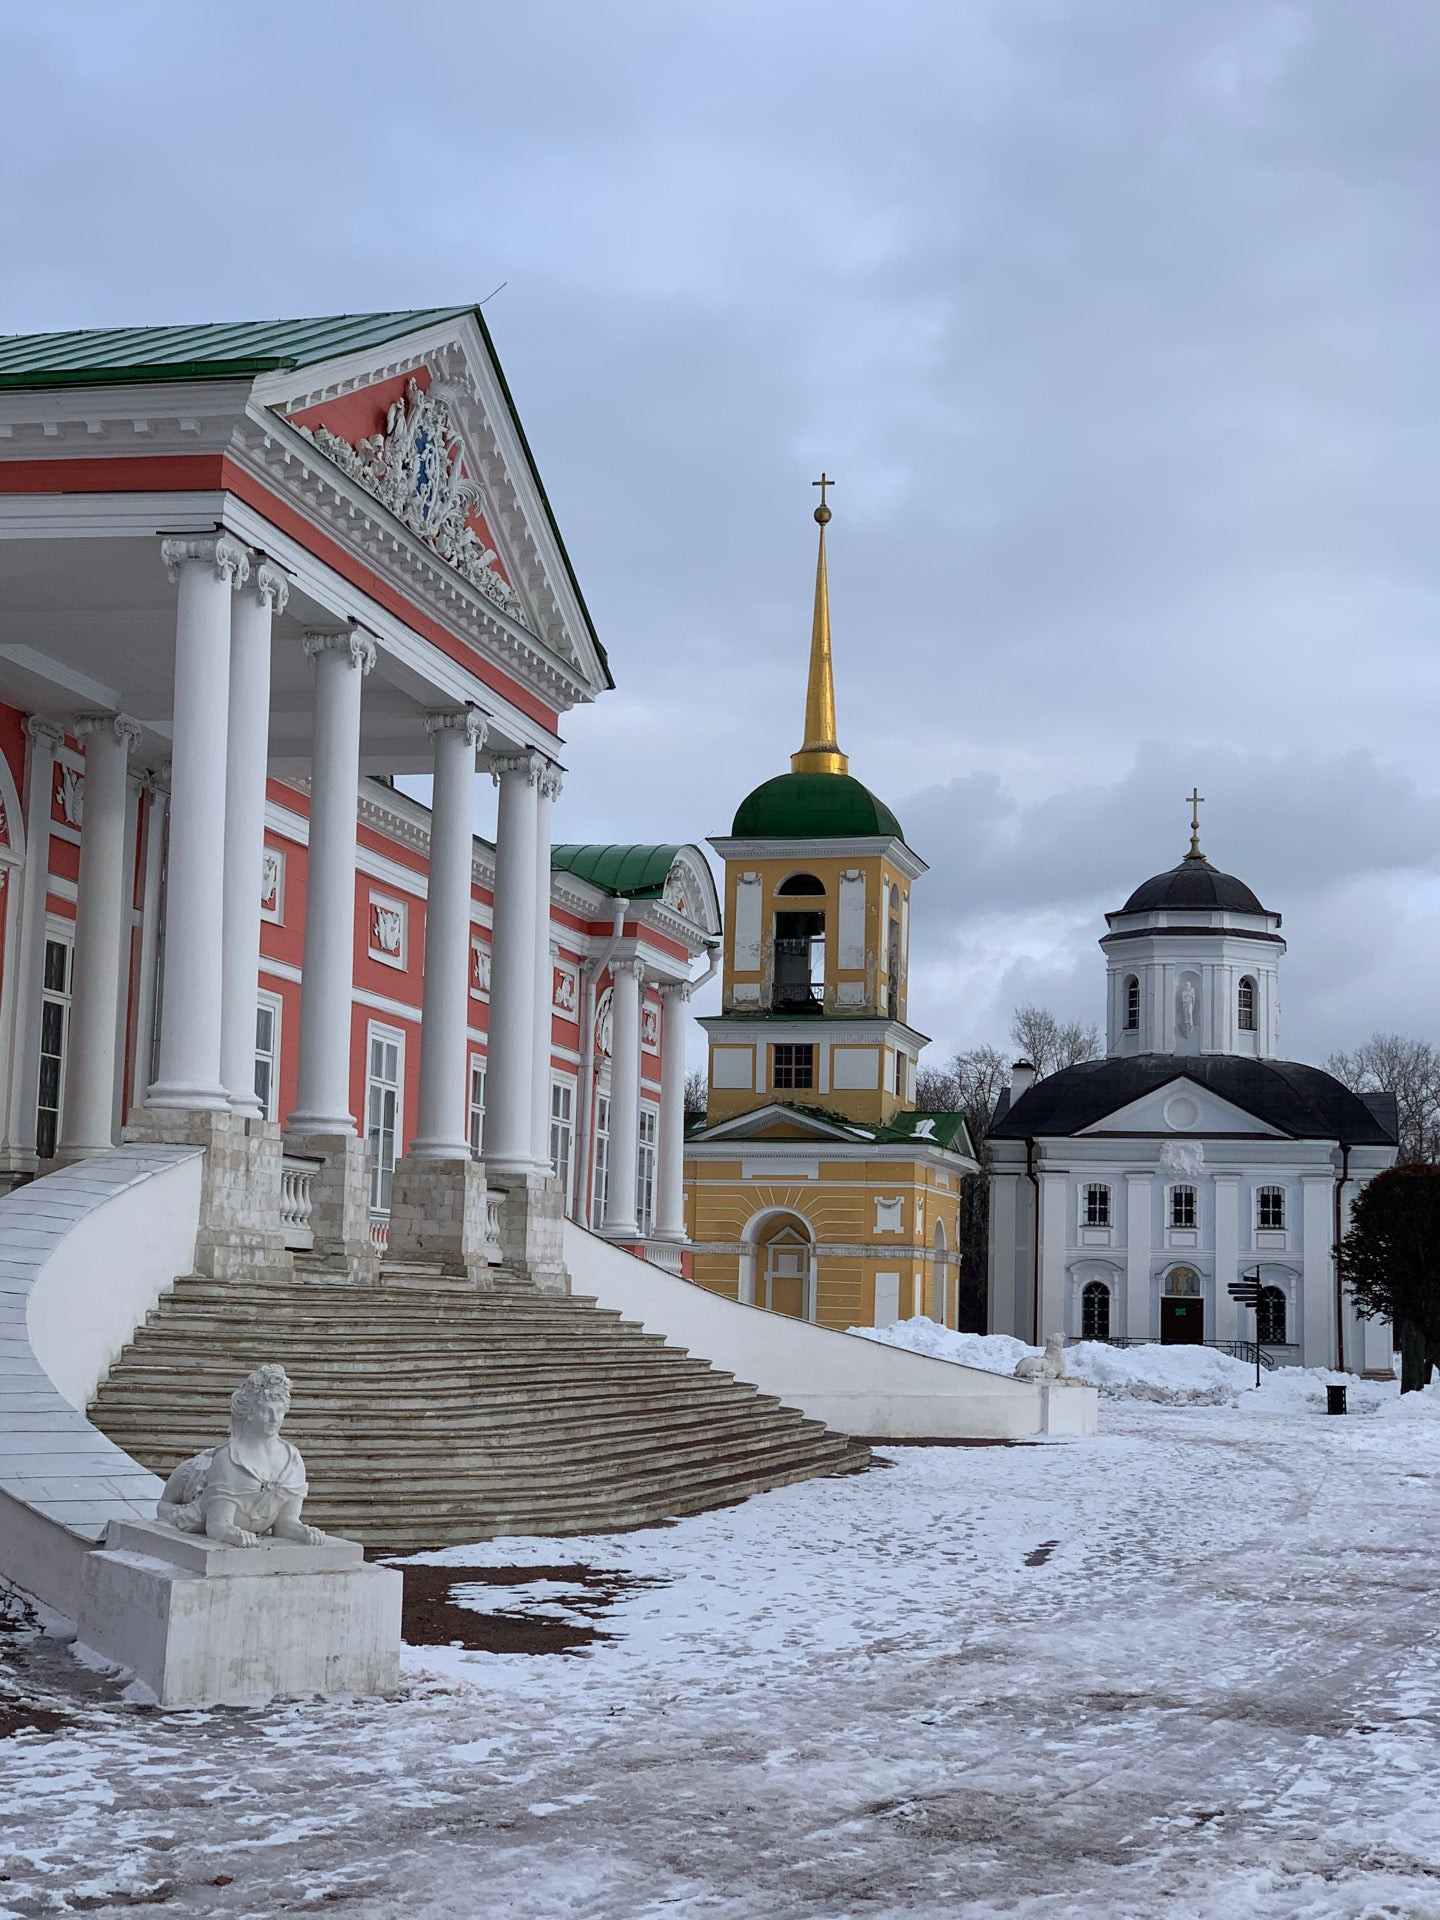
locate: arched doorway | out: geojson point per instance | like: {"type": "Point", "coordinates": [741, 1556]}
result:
{"type": "Point", "coordinates": [782, 1263]}
{"type": "Point", "coordinates": [1182, 1309]}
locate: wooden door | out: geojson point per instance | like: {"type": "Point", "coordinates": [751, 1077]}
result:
{"type": "Point", "coordinates": [1182, 1321]}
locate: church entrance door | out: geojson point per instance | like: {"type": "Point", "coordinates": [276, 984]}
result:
{"type": "Point", "coordinates": [1182, 1321]}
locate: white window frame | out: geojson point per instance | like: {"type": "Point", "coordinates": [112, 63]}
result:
{"type": "Point", "coordinates": [647, 1152]}
{"type": "Point", "coordinates": [62, 933]}
{"type": "Point", "coordinates": [380, 1173]}
{"type": "Point", "coordinates": [271, 1003]}
{"type": "Point", "coordinates": [562, 1133]}
{"type": "Point", "coordinates": [1270, 1226]}
{"type": "Point", "coordinates": [600, 1169]}
{"type": "Point", "coordinates": [1097, 1187]}
{"type": "Point", "coordinates": [1183, 1226]}
{"type": "Point", "coordinates": [475, 1105]}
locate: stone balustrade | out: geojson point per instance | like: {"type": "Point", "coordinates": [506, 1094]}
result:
{"type": "Point", "coordinates": [297, 1175]}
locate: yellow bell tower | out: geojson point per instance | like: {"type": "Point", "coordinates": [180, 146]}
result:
{"type": "Point", "coordinates": [817, 927]}
{"type": "Point", "coordinates": [814, 1188]}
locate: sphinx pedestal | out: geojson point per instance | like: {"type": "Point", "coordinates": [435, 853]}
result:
{"type": "Point", "coordinates": [203, 1625]}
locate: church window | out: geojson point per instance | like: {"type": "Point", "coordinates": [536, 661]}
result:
{"type": "Point", "coordinates": [892, 967]}
{"type": "Point", "coordinates": [1097, 1205]}
{"type": "Point", "coordinates": [1270, 1209]}
{"type": "Point", "coordinates": [1270, 1323]}
{"type": "Point", "coordinates": [900, 1076]}
{"type": "Point", "coordinates": [1182, 1206]}
{"type": "Point", "coordinates": [1246, 1007]}
{"type": "Point", "coordinates": [1132, 1005]}
{"type": "Point", "coordinates": [794, 1066]}
{"type": "Point", "coordinates": [1095, 1311]}
{"type": "Point", "coordinates": [801, 883]}
{"type": "Point", "coordinates": [799, 963]}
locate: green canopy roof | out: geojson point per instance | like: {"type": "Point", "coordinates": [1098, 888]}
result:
{"type": "Point", "coordinates": [630, 873]}
{"type": "Point", "coordinates": [814, 806]}
{"type": "Point", "coordinates": [224, 350]}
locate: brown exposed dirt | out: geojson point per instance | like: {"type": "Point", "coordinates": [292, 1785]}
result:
{"type": "Point", "coordinates": [18, 1716]}
{"type": "Point", "coordinates": [432, 1617]}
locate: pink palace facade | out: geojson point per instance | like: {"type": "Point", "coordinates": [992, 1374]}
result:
{"type": "Point", "coordinates": [248, 575]}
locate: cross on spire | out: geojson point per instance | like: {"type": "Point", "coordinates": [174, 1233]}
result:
{"type": "Point", "coordinates": [1197, 800]}
{"type": "Point", "coordinates": [822, 512]}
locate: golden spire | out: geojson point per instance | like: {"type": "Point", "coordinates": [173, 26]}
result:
{"type": "Point", "coordinates": [821, 751]}
{"type": "Point", "coordinates": [1197, 800]}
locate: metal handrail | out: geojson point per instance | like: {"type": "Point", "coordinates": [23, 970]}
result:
{"type": "Point", "coordinates": [1238, 1349]}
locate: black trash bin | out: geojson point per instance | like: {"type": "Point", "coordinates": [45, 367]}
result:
{"type": "Point", "coordinates": [1335, 1399]}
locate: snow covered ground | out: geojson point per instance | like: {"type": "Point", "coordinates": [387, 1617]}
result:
{"type": "Point", "coordinates": [1189, 1668]}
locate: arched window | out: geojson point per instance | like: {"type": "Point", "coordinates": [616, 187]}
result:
{"type": "Point", "coordinates": [1132, 1005]}
{"type": "Point", "coordinates": [1097, 1205]}
{"type": "Point", "coordinates": [1270, 1209]}
{"type": "Point", "coordinates": [1245, 1012]}
{"type": "Point", "coordinates": [1271, 1321]}
{"type": "Point", "coordinates": [1182, 1206]}
{"type": "Point", "coordinates": [801, 883]}
{"type": "Point", "coordinates": [1095, 1311]}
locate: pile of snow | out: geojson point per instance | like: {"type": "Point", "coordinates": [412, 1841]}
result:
{"type": "Point", "coordinates": [1171, 1376]}
{"type": "Point", "coordinates": [1424, 1405]}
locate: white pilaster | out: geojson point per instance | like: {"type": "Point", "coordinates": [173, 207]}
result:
{"type": "Point", "coordinates": [101, 910]}
{"type": "Point", "coordinates": [246, 765]}
{"type": "Point", "coordinates": [188, 1070]}
{"type": "Point", "coordinates": [45, 737]}
{"type": "Point", "coordinates": [1230, 1323]}
{"type": "Point", "coordinates": [1139, 1226]}
{"type": "Point", "coordinates": [546, 793]}
{"type": "Point", "coordinates": [510, 1068]}
{"type": "Point", "coordinates": [1317, 1265]}
{"type": "Point", "coordinates": [440, 1118]}
{"type": "Point", "coordinates": [1054, 1220]}
{"type": "Point", "coordinates": [620, 1221]}
{"type": "Point", "coordinates": [670, 1172]}
{"type": "Point", "coordinates": [147, 980]}
{"type": "Point", "coordinates": [322, 1094]}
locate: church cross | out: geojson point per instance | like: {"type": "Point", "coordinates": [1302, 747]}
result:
{"type": "Point", "coordinates": [1197, 800]}
{"type": "Point", "coordinates": [823, 483]}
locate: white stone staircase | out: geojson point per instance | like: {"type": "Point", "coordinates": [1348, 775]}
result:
{"type": "Point", "coordinates": [433, 1411]}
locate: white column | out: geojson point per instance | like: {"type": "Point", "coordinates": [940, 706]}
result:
{"type": "Point", "coordinates": [1054, 1223]}
{"type": "Point", "coordinates": [147, 982]}
{"type": "Point", "coordinates": [510, 1051]}
{"type": "Point", "coordinates": [1229, 1323]}
{"type": "Point", "coordinates": [322, 1094]}
{"type": "Point", "coordinates": [45, 737]}
{"type": "Point", "coordinates": [670, 1173]}
{"type": "Point", "coordinates": [246, 765]}
{"type": "Point", "coordinates": [440, 1119]}
{"type": "Point", "coordinates": [547, 791]}
{"type": "Point", "coordinates": [101, 907]}
{"type": "Point", "coordinates": [188, 1072]}
{"type": "Point", "coordinates": [620, 1221]}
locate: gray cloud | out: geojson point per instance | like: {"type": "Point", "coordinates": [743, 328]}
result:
{"type": "Point", "coordinates": [1115, 320]}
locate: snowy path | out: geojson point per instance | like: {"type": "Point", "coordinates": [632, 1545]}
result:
{"type": "Point", "coordinates": [1216, 1696]}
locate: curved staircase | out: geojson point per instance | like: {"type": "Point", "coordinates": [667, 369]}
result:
{"type": "Point", "coordinates": [431, 1412]}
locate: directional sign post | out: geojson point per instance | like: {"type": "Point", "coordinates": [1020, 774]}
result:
{"type": "Point", "coordinates": [1247, 1291]}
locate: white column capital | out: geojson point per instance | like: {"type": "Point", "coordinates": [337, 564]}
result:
{"type": "Point", "coordinates": [552, 781]}
{"type": "Point", "coordinates": [532, 765]}
{"type": "Point", "coordinates": [39, 728]}
{"type": "Point", "coordinates": [676, 992]}
{"type": "Point", "coordinates": [272, 586]}
{"type": "Point", "coordinates": [351, 640]}
{"type": "Point", "coordinates": [126, 732]}
{"type": "Point", "coordinates": [228, 558]}
{"type": "Point", "coordinates": [634, 966]}
{"type": "Point", "coordinates": [467, 720]}
{"type": "Point", "coordinates": [156, 780]}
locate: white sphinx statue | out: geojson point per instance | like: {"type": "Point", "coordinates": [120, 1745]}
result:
{"type": "Point", "coordinates": [1048, 1367]}
{"type": "Point", "coordinates": [251, 1488]}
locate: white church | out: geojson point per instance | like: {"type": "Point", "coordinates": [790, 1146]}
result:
{"type": "Point", "coordinates": [1128, 1193]}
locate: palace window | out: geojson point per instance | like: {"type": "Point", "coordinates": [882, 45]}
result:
{"type": "Point", "coordinates": [1182, 1206]}
{"type": "Point", "coordinates": [562, 1133]}
{"type": "Point", "coordinates": [1132, 1005]}
{"type": "Point", "coordinates": [600, 1188]}
{"type": "Point", "coordinates": [794, 1066]}
{"type": "Point", "coordinates": [1270, 1209]}
{"type": "Point", "coordinates": [1245, 1010]}
{"type": "Point", "coordinates": [267, 1054]}
{"type": "Point", "coordinates": [645, 1170]}
{"type": "Point", "coordinates": [1095, 1311]}
{"type": "Point", "coordinates": [54, 1022]}
{"type": "Point", "coordinates": [1097, 1205]}
{"type": "Point", "coordinates": [476, 1112]}
{"type": "Point", "coordinates": [1270, 1324]}
{"type": "Point", "coordinates": [382, 1113]}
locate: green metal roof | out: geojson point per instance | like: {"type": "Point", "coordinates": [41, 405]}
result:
{"type": "Point", "coordinates": [935, 1129]}
{"type": "Point", "coordinates": [630, 873]}
{"type": "Point", "coordinates": [813, 806]}
{"type": "Point", "coordinates": [219, 351]}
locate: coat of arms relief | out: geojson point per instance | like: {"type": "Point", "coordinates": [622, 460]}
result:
{"type": "Point", "coordinates": [415, 467]}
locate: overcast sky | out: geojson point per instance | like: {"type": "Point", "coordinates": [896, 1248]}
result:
{"type": "Point", "coordinates": [1118, 322]}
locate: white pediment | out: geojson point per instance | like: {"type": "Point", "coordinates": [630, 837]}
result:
{"type": "Point", "coordinates": [1183, 1107]}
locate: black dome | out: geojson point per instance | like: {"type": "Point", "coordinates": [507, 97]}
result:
{"type": "Point", "coordinates": [1194, 883]}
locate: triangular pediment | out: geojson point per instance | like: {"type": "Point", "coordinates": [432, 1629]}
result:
{"type": "Point", "coordinates": [423, 426]}
{"type": "Point", "coordinates": [779, 1122]}
{"type": "Point", "coordinates": [1182, 1106]}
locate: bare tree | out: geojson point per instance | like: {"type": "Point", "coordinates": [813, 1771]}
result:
{"type": "Point", "coordinates": [1410, 1069]}
{"type": "Point", "coordinates": [972, 1085]}
{"type": "Point", "coordinates": [1050, 1044]}
{"type": "Point", "coordinates": [696, 1095]}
